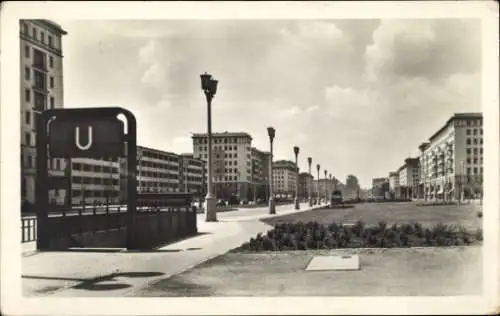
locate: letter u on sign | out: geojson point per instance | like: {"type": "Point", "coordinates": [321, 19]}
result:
{"type": "Point", "coordinates": [77, 138]}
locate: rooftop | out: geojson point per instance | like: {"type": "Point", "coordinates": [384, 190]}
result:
{"type": "Point", "coordinates": [156, 150]}
{"type": "Point", "coordinates": [222, 134]}
{"type": "Point", "coordinates": [457, 116]}
{"type": "Point", "coordinates": [54, 26]}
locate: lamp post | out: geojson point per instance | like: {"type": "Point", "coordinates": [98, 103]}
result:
{"type": "Point", "coordinates": [331, 192]}
{"type": "Point", "coordinates": [317, 184]}
{"type": "Point", "coordinates": [309, 161]}
{"type": "Point", "coordinates": [296, 152]}
{"type": "Point", "coordinates": [326, 186]}
{"type": "Point", "coordinates": [209, 87]}
{"type": "Point", "coordinates": [272, 209]}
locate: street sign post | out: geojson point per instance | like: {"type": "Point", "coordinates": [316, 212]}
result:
{"type": "Point", "coordinates": [88, 133]}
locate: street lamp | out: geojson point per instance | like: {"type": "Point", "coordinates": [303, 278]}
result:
{"type": "Point", "coordinates": [309, 161]}
{"type": "Point", "coordinates": [326, 186]}
{"type": "Point", "coordinates": [296, 152]}
{"type": "Point", "coordinates": [317, 185]}
{"type": "Point", "coordinates": [331, 191]}
{"type": "Point", "coordinates": [272, 209]}
{"type": "Point", "coordinates": [209, 87]}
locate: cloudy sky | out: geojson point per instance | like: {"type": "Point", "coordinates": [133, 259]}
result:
{"type": "Point", "coordinates": [358, 96]}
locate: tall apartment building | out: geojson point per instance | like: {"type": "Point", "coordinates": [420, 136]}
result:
{"type": "Point", "coordinates": [408, 175]}
{"type": "Point", "coordinates": [41, 88]}
{"type": "Point", "coordinates": [260, 174]}
{"type": "Point", "coordinates": [452, 160]}
{"type": "Point", "coordinates": [231, 162]}
{"type": "Point", "coordinates": [394, 188]}
{"type": "Point", "coordinates": [94, 181]}
{"type": "Point", "coordinates": [284, 179]}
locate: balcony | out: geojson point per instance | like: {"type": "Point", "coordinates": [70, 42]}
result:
{"type": "Point", "coordinates": [40, 65]}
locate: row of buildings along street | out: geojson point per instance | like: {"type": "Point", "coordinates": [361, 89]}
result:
{"type": "Point", "coordinates": [449, 167]}
{"type": "Point", "coordinates": [240, 170]}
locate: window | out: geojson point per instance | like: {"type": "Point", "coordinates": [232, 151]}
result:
{"type": "Point", "coordinates": [26, 51]}
{"type": "Point", "coordinates": [27, 95]}
{"type": "Point", "coordinates": [39, 59]}
{"type": "Point", "coordinates": [27, 138]}
{"type": "Point", "coordinates": [27, 73]}
{"type": "Point", "coordinates": [480, 150]}
{"type": "Point", "coordinates": [475, 131]}
{"type": "Point", "coordinates": [481, 141]}
{"type": "Point", "coordinates": [34, 33]}
{"type": "Point", "coordinates": [468, 141]}
{"type": "Point", "coordinates": [40, 102]}
{"type": "Point", "coordinates": [468, 132]}
{"type": "Point", "coordinates": [475, 151]}
{"type": "Point", "coordinates": [475, 170]}
{"type": "Point", "coordinates": [468, 150]}
{"type": "Point", "coordinates": [475, 141]}
{"type": "Point", "coordinates": [51, 61]}
{"type": "Point", "coordinates": [475, 161]}
{"type": "Point", "coordinates": [468, 170]}
{"type": "Point", "coordinates": [28, 117]}
{"type": "Point", "coordinates": [481, 131]}
{"type": "Point", "coordinates": [40, 80]}
{"type": "Point", "coordinates": [51, 102]}
{"type": "Point", "coordinates": [42, 36]}
{"type": "Point", "coordinates": [50, 41]}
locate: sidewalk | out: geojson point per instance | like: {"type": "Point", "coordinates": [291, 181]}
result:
{"type": "Point", "coordinates": [122, 273]}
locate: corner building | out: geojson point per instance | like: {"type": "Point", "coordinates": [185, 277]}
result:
{"type": "Point", "coordinates": [41, 88]}
{"type": "Point", "coordinates": [452, 159]}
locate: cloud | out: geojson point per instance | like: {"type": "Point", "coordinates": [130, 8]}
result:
{"type": "Point", "coordinates": [423, 48]}
{"type": "Point", "coordinates": [342, 90]}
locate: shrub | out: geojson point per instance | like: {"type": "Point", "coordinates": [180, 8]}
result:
{"type": "Point", "coordinates": [311, 235]}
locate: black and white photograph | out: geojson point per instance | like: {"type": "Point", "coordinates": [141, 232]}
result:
{"type": "Point", "coordinates": [215, 155]}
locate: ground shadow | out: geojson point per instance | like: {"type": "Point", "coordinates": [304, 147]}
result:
{"type": "Point", "coordinates": [103, 283]}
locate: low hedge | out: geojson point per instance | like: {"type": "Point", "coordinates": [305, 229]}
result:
{"type": "Point", "coordinates": [312, 235]}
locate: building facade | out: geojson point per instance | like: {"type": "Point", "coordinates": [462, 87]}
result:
{"type": "Point", "coordinates": [379, 186]}
{"type": "Point", "coordinates": [284, 179]}
{"type": "Point", "coordinates": [304, 178]}
{"type": "Point", "coordinates": [95, 181]}
{"type": "Point", "coordinates": [161, 171]}
{"type": "Point", "coordinates": [452, 162]}
{"type": "Point", "coordinates": [408, 175]}
{"type": "Point", "coordinates": [193, 175]}
{"type": "Point", "coordinates": [394, 188]}
{"type": "Point", "coordinates": [260, 173]}
{"type": "Point", "coordinates": [231, 162]}
{"type": "Point", "coordinates": [41, 88]}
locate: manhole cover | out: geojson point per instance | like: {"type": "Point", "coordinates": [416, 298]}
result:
{"type": "Point", "coordinates": [325, 263]}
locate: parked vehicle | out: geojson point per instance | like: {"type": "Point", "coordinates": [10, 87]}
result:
{"type": "Point", "coordinates": [337, 198]}
{"type": "Point", "coordinates": [221, 203]}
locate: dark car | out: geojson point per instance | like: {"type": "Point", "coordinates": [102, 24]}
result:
{"type": "Point", "coordinates": [221, 203]}
{"type": "Point", "coordinates": [337, 198]}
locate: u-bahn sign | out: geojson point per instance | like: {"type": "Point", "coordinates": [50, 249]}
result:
{"type": "Point", "coordinates": [83, 133]}
{"type": "Point", "coordinates": [90, 137]}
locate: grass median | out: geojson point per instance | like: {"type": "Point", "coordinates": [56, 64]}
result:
{"type": "Point", "coordinates": [403, 250]}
